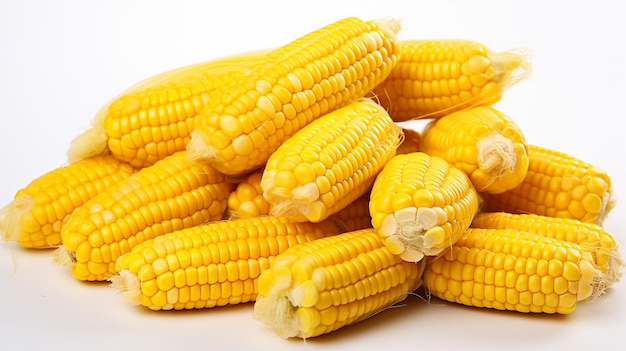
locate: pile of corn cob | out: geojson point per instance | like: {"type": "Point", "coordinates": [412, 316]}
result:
{"type": "Point", "coordinates": [293, 178]}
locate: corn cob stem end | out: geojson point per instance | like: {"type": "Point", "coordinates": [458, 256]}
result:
{"type": "Point", "coordinates": [277, 309]}
{"type": "Point", "coordinates": [63, 257]}
{"type": "Point", "coordinates": [414, 232]}
{"type": "Point", "coordinates": [127, 285]}
{"type": "Point", "coordinates": [593, 283]}
{"type": "Point", "coordinates": [278, 313]}
{"type": "Point", "coordinates": [197, 149]}
{"type": "Point", "coordinates": [91, 142]}
{"type": "Point", "coordinates": [303, 200]}
{"type": "Point", "coordinates": [496, 156]}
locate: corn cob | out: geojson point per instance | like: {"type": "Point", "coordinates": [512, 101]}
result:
{"type": "Point", "coordinates": [321, 286]}
{"type": "Point", "coordinates": [38, 211]}
{"type": "Point", "coordinates": [154, 118]}
{"type": "Point", "coordinates": [557, 185]}
{"type": "Point", "coordinates": [421, 205]}
{"type": "Point", "coordinates": [170, 195]}
{"type": "Point", "coordinates": [436, 77]}
{"type": "Point", "coordinates": [482, 141]}
{"type": "Point", "coordinates": [591, 237]}
{"type": "Point", "coordinates": [297, 83]}
{"type": "Point", "coordinates": [247, 199]}
{"type": "Point", "coordinates": [507, 269]}
{"type": "Point", "coordinates": [213, 264]}
{"type": "Point", "coordinates": [330, 162]}
{"type": "Point", "coordinates": [410, 141]}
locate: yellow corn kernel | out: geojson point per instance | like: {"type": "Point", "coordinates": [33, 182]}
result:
{"type": "Point", "coordinates": [410, 141]}
{"type": "Point", "coordinates": [224, 257]}
{"type": "Point", "coordinates": [355, 216]}
{"type": "Point", "coordinates": [482, 141]}
{"type": "Point", "coordinates": [436, 77]}
{"type": "Point", "coordinates": [330, 162]}
{"type": "Point", "coordinates": [170, 195]}
{"type": "Point", "coordinates": [247, 199]}
{"type": "Point", "coordinates": [38, 211]}
{"type": "Point", "coordinates": [295, 84]}
{"type": "Point", "coordinates": [557, 185]}
{"type": "Point", "coordinates": [155, 117]}
{"type": "Point", "coordinates": [507, 269]}
{"type": "Point", "coordinates": [590, 237]}
{"type": "Point", "coordinates": [318, 287]}
{"type": "Point", "coordinates": [421, 205]}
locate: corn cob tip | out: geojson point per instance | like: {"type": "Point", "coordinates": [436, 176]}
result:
{"type": "Point", "coordinates": [126, 284]}
{"type": "Point", "coordinates": [614, 268]}
{"type": "Point", "coordinates": [612, 276]}
{"type": "Point", "coordinates": [390, 26]}
{"type": "Point", "coordinates": [11, 215]}
{"type": "Point", "coordinates": [91, 142]}
{"type": "Point", "coordinates": [511, 66]}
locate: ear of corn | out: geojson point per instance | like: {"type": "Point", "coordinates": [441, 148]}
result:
{"type": "Point", "coordinates": [421, 205]}
{"type": "Point", "coordinates": [436, 77]}
{"type": "Point", "coordinates": [590, 237]}
{"type": "Point", "coordinates": [154, 118]}
{"type": "Point", "coordinates": [297, 83]}
{"type": "Point", "coordinates": [318, 287]}
{"type": "Point", "coordinates": [209, 265]}
{"type": "Point", "coordinates": [557, 185]}
{"type": "Point", "coordinates": [170, 195]}
{"type": "Point", "coordinates": [507, 269]}
{"type": "Point", "coordinates": [483, 142]}
{"type": "Point", "coordinates": [38, 211]}
{"type": "Point", "coordinates": [247, 199]}
{"type": "Point", "coordinates": [330, 162]}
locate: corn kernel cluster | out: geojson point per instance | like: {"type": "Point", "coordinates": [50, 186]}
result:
{"type": "Point", "coordinates": [290, 178]}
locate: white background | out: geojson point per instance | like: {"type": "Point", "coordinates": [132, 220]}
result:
{"type": "Point", "coordinates": [60, 61]}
